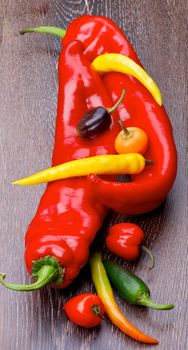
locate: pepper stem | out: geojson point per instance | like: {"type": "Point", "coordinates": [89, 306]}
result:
{"type": "Point", "coordinates": [112, 109]}
{"type": "Point", "coordinates": [146, 250]}
{"type": "Point", "coordinates": [46, 274]}
{"type": "Point", "coordinates": [97, 311]}
{"type": "Point", "coordinates": [46, 269]}
{"type": "Point", "coordinates": [125, 130]}
{"type": "Point", "coordinates": [145, 300]}
{"type": "Point", "coordinates": [149, 162]}
{"type": "Point", "coordinates": [45, 30]}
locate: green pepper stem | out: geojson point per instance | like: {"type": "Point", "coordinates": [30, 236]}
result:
{"type": "Point", "coordinates": [146, 250]}
{"type": "Point", "coordinates": [96, 310]}
{"type": "Point", "coordinates": [125, 130]}
{"type": "Point", "coordinates": [112, 109]}
{"type": "Point", "coordinates": [45, 30]}
{"type": "Point", "coordinates": [145, 300]}
{"type": "Point", "coordinates": [45, 274]}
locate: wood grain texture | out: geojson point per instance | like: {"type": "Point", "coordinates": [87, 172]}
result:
{"type": "Point", "coordinates": [28, 96]}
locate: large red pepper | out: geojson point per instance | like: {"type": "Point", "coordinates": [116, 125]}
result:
{"type": "Point", "coordinates": [99, 35]}
{"type": "Point", "coordinates": [68, 217]}
{"type": "Point", "coordinates": [52, 231]}
{"type": "Point", "coordinates": [147, 190]}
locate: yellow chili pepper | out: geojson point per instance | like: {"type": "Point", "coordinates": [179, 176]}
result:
{"type": "Point", "coordinates": [115, 62]}
{"type": "Point", "coordinates": [132, 163]}
{"type": "Point", "coordinates": [112, 310]}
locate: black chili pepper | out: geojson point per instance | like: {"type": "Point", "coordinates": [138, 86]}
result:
{"type": "Point", "coordinates": [97, 120]}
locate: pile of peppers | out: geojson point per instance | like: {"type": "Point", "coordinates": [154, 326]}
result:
{"type": "Point", "coordinates": [95, 65]}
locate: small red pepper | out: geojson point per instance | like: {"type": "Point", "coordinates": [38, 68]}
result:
{"type": "Point", "coordinates": [85, 310]}
{"type": "Point", "coordinates": [125, 240]}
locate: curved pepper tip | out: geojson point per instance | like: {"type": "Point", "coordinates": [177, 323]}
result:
{"type": "Point", "coordinates": [116, 62]}
{"type": "Point", "coordinates": [15, 182]}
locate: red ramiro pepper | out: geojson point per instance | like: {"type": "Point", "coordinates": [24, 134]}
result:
{"type": "Point", "coordinates": [68, 216]}
{"type": "Point", "coordinates": [147, 190]}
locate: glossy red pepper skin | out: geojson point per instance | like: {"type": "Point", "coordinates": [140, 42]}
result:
{"type": "Point", "coordinates": [124, 240]}
{"type": "Point", "coordinates": [85, 310]}
{"type": "Point", "coordinates": [148, 190]}
{"type": "Point", "coordinates": [99, 35]}
{"type": "Point", "coordinates": [53, 230]}
{"type": "Point", "coordinates": [68, 216]}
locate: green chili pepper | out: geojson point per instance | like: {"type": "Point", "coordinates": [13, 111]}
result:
{"type": "Point", "coordinates": [131, 287]}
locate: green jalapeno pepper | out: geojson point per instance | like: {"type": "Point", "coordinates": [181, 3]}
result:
{"type": "Point", "coordinates": [131, 287]}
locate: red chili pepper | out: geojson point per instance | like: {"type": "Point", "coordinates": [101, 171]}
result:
{"type": "Point", "coordinates": [68, 216]}
{"type": "Point", "coordinates": [126, 240]}
{"type": "Point", "coordinates": [85, 310]}
{"type": "Point", "coordinates": [147, 190]}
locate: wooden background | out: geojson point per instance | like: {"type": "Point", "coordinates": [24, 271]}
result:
{"type": "Point", "coordinates": [28, 97]}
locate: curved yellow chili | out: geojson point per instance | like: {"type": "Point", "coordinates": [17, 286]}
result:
{"type": "Point", "coordinates": [104, 291]}
{"type": "Point", "coordinates": [115, 62]}
{"type": "Point", "coordinates": [132, 163]}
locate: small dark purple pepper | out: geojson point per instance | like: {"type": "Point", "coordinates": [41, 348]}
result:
{"type": "Point", "coordinates": [97, 120]}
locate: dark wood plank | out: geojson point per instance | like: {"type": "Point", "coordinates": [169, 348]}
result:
{"type": "Point", "coordinates": [28, 96]}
